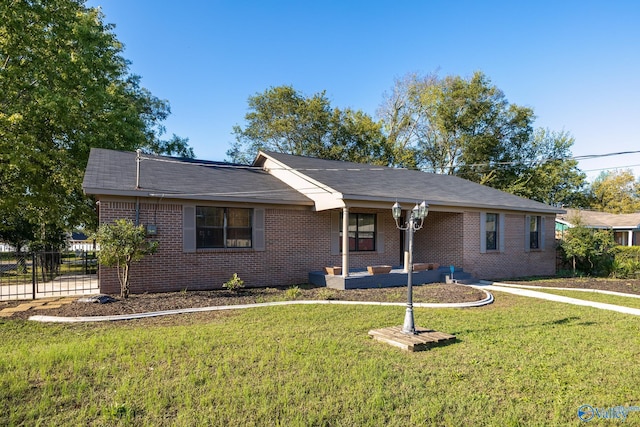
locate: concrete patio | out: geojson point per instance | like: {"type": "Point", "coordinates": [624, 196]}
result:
{"type": "Point", "coordinates": [362, 279]}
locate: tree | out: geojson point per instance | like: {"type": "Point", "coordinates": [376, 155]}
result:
{"type": "Point", "coordinates": [552, 177]}
{"type": "Point", "coordinates": [466, 127]}
{"type": "Point", "coordinates": [405, 118]}
{"type": "Point", "coordinates": [282, 119]}
{"type": "Point", "coordinates": [16, 231]}
{"type": "Point", "coordinates": [588, 249]}
{"type": "Point", "coordinates": [355, 137]}
{"type": "Point", "coordinates": [64, 88]}
{"type": "Point", "coordinates": [458, 126]}
{"type": "Point", "coordinates": [122, 244]}
{"type": "Point", "coordinates": [616, 192]}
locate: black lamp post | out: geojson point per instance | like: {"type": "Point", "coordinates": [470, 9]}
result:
{"type": "Point", "coordinates": [416, 220]}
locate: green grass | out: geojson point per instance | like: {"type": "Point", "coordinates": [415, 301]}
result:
{"type": "Point", "coordinates": [518, 361]}
{"type": "Point", "coordinates": [595, 296]}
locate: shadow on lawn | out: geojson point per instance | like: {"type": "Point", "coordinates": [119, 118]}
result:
{"type": "Point", "coordinates": [566, 321]}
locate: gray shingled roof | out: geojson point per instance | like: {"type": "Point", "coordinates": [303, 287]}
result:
{"type": "Point", "coordinates": [601, 219]}
{"type": "Point", "coordinates": [112, 172]}
{"type": "Point", "coordinates": [365, 182]}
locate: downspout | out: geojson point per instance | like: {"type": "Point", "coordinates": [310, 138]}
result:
{"type": "Point", "coordinates": [137, 211]}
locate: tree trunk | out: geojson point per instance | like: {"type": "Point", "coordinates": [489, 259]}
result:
{"type": "Point", "coordinates": [124, 291]}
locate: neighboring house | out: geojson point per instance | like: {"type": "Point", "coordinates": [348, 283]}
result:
{"type": "Point", "coordinates": [78, 241]}
{"type": "Point", "coordinates": [5, 247]}
{"type": "Point", "coordinates": [625, 227]}
{"type": "Point", "coordinates": [281, 218]}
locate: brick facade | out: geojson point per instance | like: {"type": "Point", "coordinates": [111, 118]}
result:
{"type": "Point", "coordinates": [513, 260]}
{"type": "Point", "coordinates": [298, 240]}
{"type": "Point", "coordinates": [440, 240]}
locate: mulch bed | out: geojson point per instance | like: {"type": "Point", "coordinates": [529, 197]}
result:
{"type": "Point", "coordinates": [143, 303]}
{"type": "Point", "coordinates": [430, 293]}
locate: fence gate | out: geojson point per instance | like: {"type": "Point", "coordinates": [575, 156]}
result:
{"type": "Point", "coordinates": [42, 274]}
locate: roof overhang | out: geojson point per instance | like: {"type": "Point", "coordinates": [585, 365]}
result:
{"type": "Point", "coordinates": [354, 200]}
{"type": "Point", "coordinates": [204, 197]}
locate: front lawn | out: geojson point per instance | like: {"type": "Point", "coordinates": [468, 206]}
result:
{"type": "Point", "coordinates": [518, 361]}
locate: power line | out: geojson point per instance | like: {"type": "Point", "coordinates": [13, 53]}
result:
{"type": "Point", "coordinates": [206, 163]}
{"type": "Point", "coordinates": [597, 156]}
{"type": "Point", "coordinates": [611, 168]}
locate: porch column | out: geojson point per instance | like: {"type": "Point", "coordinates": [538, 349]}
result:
{"type": "Point", "coordinates": [630, 240]}
{"type": "Point", "coordinates": [345, 242]}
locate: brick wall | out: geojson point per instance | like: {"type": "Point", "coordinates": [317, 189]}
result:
{"type": "Point", "coordinates": [514, 261]}
{"type": "Point", "coordinates": [299, 241]}
{"type": "Point", "coordinates": [440, 240]}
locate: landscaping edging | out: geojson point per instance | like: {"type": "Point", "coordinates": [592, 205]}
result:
{"type": "Point", "coordinates": [55, 319]}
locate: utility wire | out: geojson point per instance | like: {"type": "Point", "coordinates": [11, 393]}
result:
{"type": "Point", "coordinates": [221, 165]}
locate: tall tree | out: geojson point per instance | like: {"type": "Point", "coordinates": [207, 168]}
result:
{"type": "Point", "coordinates": [284, 120]}
{"type": "Point", "coordinates": [405, 119]}
{"type": "Point", "coordinates": [616, 192]}
{"type": "Point", "coordinates": [551, 175]}
{"type": "Point", "coordinates": [457, 126]}
{"type": "Point", "coordinates": [64, 88]}
{"type": "Point", "coordinates": [467, 127]}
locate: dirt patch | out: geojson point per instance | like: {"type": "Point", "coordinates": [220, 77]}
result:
{"type": "Point", "coordinates": [144, 303]}
{"type": "Point", "coordinates": [605, 284]}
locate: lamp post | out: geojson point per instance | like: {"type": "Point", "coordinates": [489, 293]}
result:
{"type": "Point", "coordinates": [416, 220]}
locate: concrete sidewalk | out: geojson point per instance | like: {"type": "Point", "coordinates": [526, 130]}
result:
{"type": "Point", "coordinates": [527, 291]}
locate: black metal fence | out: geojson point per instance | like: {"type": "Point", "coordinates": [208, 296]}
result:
{"type": "Point", "coordinates": [40, 274]}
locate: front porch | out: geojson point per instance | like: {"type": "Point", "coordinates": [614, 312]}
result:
{"type": "Point", "coordinates": [362, 279]}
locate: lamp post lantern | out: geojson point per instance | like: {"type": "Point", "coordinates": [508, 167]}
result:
{"type": "Point", "coordinates": [415, 222]}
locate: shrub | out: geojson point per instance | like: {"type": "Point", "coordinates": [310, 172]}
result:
{"type": "Point", "coordinates": [326, 294]}
{"type": "Point", "coordinates": [234, 284]}
{"type": "Point", "coordinates": [588, 250]}
{"type": "Point", "coordinates": [626, 262]}
{"type": "Point", "coordinates": [122, 244]}
{"type": "Point", "coordinates": [292, 293]}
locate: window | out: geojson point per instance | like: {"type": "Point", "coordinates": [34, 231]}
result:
{"type": "Point", "coordinates": [491, 231]}
{"type": "Point", "coordinates": [362, 232]}
{"type": "Point", "coordinates": [223, 227]}
{"type": "Point", "coordinates": [534, 232]}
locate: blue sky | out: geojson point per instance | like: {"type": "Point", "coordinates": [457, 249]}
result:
{"type": "Point", "coordinates": [576, 63]}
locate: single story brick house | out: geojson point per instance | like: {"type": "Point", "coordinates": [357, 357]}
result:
{"type": "Point", "coordinates": [625, 227]}
{"type": "Point", "coordinates": [277, 220]}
